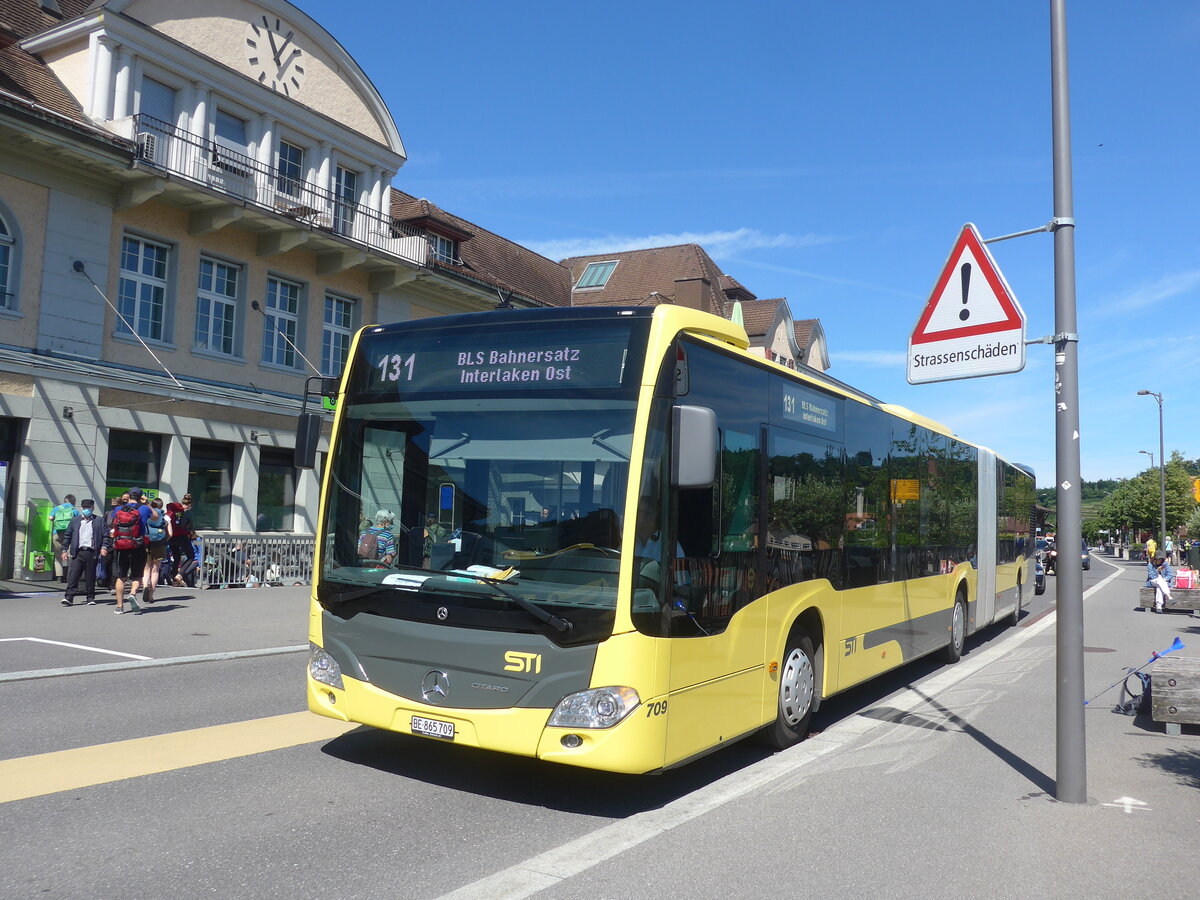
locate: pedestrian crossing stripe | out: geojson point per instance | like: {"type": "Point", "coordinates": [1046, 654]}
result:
{"type": "Point", "coordinates": [67, 770]}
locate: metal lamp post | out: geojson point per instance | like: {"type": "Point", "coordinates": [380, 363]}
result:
{"type": "Point", "coordinates": [1162, 473]}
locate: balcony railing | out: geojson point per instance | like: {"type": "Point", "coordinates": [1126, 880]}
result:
{"type": "Point", "coordinates": [207, 162]}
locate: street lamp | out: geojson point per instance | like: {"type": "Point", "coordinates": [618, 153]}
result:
{"type": "Point", "coordinates": [1149, 454]}
{"type": "Point", "coordinates": [1162, 472]}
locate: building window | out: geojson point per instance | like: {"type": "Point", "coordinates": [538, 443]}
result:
{"type": "Point", "coordinates": [345, 189]}
{"type": "Point", "coordinates": [210, 482]}
{"type": "Point", "coordinates": [142, 290]}
{"type": "Point", "coordinates": [216, 307]}
{"type": "Point", "coordinates": [289, 160]}
{"type": "Point", "coordinates": [276, 491]}
{"type": "Point", "coordinates": [134, 460]}
{"type": "Point", "coordinates": [444, 249]}
{"type": "Point", "coordinates": [596, 275]}
{"type": "Point", "coordinates": [335, 337]}
{"type": "Point", "coordinates": [158, 101]}
{"type": "Point", "coordinates": [230, 149]}
{"type": "Point", "coordinates": [8, 294]}
{"type": "Point", "coordinates": [282, 325]}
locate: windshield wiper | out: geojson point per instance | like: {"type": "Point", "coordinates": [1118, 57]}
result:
{"type": "Point", "coordinates": [558, 623]}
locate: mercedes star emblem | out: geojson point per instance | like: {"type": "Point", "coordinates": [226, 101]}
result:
{"type": "Point", "coordinates": [435, 686]}
{"type": "Point", "coordinates": [442, 613]}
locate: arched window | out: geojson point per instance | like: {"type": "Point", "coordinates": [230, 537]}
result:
{"type": "Point", "coordinates": [8, 264]}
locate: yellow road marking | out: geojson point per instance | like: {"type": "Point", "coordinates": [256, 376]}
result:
{"type": "Point", "coordinates": [65, 770]}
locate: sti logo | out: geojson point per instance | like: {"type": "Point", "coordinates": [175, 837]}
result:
{"type": "Point", "coordinates": [522, 662]}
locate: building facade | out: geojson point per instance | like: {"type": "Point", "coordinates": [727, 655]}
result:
{"type": "Point", "coordinates": [196, 214]}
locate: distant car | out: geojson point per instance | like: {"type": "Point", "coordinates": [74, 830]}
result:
{"type": "Point", "coordinates": [1039, 578]}
{"type": "Point", "coordinates": [1087, 557]}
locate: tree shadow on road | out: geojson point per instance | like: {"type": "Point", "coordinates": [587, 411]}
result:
{"type": "Point", "coordinates": [1183, 765]}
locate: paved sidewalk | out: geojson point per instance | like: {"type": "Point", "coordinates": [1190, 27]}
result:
{"type": "Point", "coordinates": [181, 622]}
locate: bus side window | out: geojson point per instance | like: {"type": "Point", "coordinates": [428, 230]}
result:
{"type": "Point", "coordinates": [806, 509]}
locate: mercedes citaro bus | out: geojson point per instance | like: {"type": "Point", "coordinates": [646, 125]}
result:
{"type": "Point", "coordinates": [617, 538]}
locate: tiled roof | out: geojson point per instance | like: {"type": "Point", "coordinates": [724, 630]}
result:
{"type": "Point", "coordinates": [489, 258]}
{"type": "Point", "coordinates": [24, 78]}
{"type": "Point", "coordinates": [804, 331]}
{"type": "Point", "coordinates": [758, 315]}
{"type": "Point", "coordinates": [27, 17]}
{"type": "Point", "coordinates": [648, 277]}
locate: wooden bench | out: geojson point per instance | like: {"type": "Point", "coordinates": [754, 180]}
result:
{"type": "Point", "coordinates": [1182, 599]}
{"type": "Point", "coordinates": [1175, 692]}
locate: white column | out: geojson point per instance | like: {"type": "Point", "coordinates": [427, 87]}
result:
{"type": "Point", "coordinates": [325, 166]}
{"type": "Point", "coordinates": [176, 452]}
{"type": "Point", "coordinates": [135, 78]}
{"type": "Point", "coordinates": [245, 488]}
{"type": "Point", "coordinates": [200, 113]}
{"type": "Point", "coordinates": [102, 77]}
{"type": "Point", "coordinates": [308, 499]}
{"type": "Point", "coordinates": [122, 98]}
{"type": "Point", "coordinates": [266, 144]}
{"type": "Point", "coordinates": [376, 190]}
{"type": "Point", "coordinates": [385, 195]}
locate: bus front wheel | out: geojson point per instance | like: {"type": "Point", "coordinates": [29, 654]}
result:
{"type": "Point", "coordinates": [797, 693]}
{"type": "Point", "coordinates": [958, 630]}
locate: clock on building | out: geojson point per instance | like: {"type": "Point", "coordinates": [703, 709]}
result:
{"type": "Point", "coordinates": [273, 55]}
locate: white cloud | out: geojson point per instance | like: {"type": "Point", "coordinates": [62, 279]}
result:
{"type": "Point", "coordinates": [718, 244]}
{"type": "Point", "coordinates": [1154, 293]}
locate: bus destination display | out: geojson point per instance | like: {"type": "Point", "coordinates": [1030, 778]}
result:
{"type": "Point", "coordinates": [811, 408]}
{"type": "Point", "coordinates": [473, 360]}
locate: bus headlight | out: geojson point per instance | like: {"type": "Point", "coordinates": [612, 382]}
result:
{"type": "Point", "coordinates": [598, 708]}
{"type": "Point", "coordinates": [324, 668]}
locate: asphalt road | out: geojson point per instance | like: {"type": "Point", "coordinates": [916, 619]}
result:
{"type": "Point", "coordinates": [934, 782]}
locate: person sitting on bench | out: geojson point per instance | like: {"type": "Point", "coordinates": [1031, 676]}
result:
{"type": "Point", "coordinates": [1159, 576]}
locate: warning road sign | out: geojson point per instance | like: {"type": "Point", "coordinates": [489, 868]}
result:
{"type": "Point", "coordinates": [972, 324]}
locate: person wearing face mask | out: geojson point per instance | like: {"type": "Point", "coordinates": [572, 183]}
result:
{"type": "Point", "coordinates": [84, 546]}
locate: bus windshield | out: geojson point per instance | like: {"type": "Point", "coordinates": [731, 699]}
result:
{"type": "Point", "coordinates": [481, 507]}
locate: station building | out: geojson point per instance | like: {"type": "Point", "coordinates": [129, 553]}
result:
{"type": "Point", "coordinates": [196, 214]}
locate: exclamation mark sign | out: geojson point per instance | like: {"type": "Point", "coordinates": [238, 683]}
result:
{"type": "Point", "coordinates": [965, 271]}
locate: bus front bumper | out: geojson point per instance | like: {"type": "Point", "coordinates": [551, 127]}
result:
{"type": "Point", "coordinates": [633, 746]}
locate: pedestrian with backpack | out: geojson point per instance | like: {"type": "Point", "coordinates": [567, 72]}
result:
{"type": "Point", "coordinates": [60, 521]}
{"type": "Point", "coordinates": [156, 548]}
{"type": "Point", "coordinates": [129, 544]}
{"type": "Point", "coordinates": [376, 544]}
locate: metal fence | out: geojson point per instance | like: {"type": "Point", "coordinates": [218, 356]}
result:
{"type": "Point", "coordinates": [253, 560]}
{"type": "Point", "coordinates": [207, 162]}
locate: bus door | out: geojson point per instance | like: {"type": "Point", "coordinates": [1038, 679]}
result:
{"type": "Point", "coordinates": [716, 654]}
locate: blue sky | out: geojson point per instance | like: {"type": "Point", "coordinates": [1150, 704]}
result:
{"type": "Point", "coordinates": [830, 153]}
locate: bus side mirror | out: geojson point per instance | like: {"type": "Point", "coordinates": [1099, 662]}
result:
{"type": "Point", "coordinates": [308, 435]}
{"type": "Point", "coordinates": [693, 447]}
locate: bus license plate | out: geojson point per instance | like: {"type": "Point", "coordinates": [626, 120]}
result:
{"type": "Point", "coordinates": [432, 728]}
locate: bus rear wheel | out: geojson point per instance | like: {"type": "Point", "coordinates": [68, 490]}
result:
{"type": "Point", "coordinates": [797, 694]}
{"type": "Point", "coordinates": [1016, 616]}
{"type": "Point", "coordinates": [958, 630]}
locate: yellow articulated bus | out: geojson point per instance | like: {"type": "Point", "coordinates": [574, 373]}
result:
{"type": "Point", "coordinates": [615, 538]}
